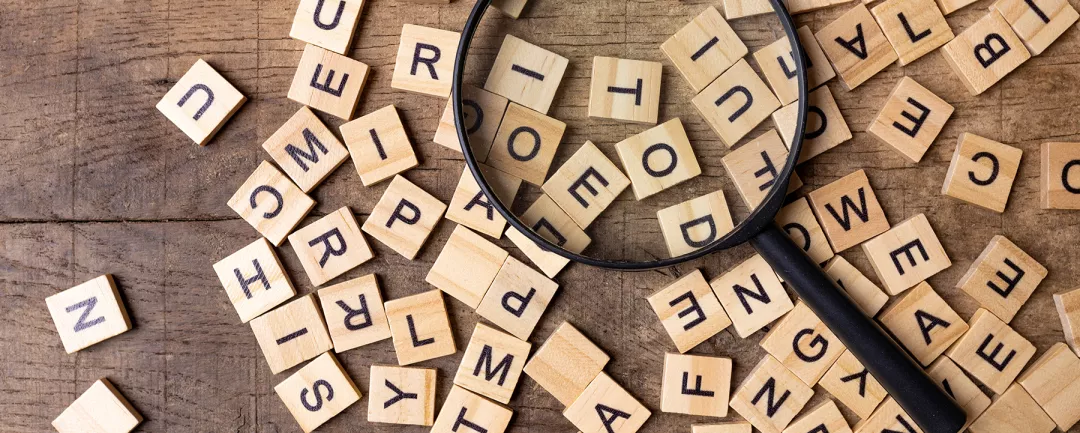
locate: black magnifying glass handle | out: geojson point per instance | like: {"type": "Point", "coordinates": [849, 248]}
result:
{"type": "Point", "coordinates": [907, 383]}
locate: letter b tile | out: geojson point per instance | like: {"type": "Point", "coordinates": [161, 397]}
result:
{"type": "Point", "coordinates": [985, 52]}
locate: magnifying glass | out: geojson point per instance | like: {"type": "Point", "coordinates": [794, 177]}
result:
{"type": "Point", "coordinates": [906, 382]}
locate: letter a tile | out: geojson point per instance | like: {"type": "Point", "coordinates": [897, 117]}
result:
{"type": "Point", "coordinates": [696, 385]}
{"type": "Point", "coordinates": [985, 52]}
{"type": "Point", "coordinates": [492, 363]}
{"type": "Point", "coordinates": [586, 184]}
{"type": "Point", "coordinates": [689, 311]}
{"type": "Point", "coordinates": [330, 246]}
{"type": "Point", "coordinates": [695, 223]}
{"type": "Point", "coordinates": [924, 323]}
{"type": "Point", "coordinates": [907, 254]}
{"type": "Point", "coordinates": [328, 82]}
{"type": "Point", "coordinates": [201, 102]}
{"type": "Point", "coordinates": [318, 392]}
{"type": "Point", "coordinates": [657, 159]}
{"type": "Point", "coordinates": [354, 313]}
{"type": "Point", "coordinates": [402, 395]}
{"type": "Point", "coordinates": [292, 334]}
{"type": "Point", "coordinates": [751, 295]}
{"type": "Point", "coordinates": [425, 60]}
{"type": "Point", "coordinates": [770, 396]}
{"type": "Point", "coordinates": [605, 406]}
{"type": "Point", "coordinates": [404, 217]}
{"type": "Point", "coordinates": [420, 327]}
{"type": "Point", "coordinates": [88, 314]}
{"type": "Point", "coordinates": [856, 46]}
{"type": "Point", "coordinates": [472, 208]}
{"type": "Point", "coordinates": [271, 203]}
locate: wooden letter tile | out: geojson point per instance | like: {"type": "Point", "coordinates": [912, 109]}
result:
{"type": "Point", "coordinates": [825, 129]}
{"type": "Point", "coordinates": [566, 363]}
{"type": "Point", "coordinates": [354, 313]}
{"type": "Point", "coordinates": [849, 211]}
{"type": "Point", "coordinates": [492, 363]}
{"type": "Point", "coordinates": [985, 52]}
{"type": "Point", "coordinates": [586, 184]}
{"type": "Point", "coordinates": [271, 203]}
{"type": "Point", "coordinates": [401, 395]}
{"type": "Point", "coordinates": [856, 46]}
{"type": "Point", "coordinates": [778, 65]}
{"type": "Point", "coordinates": [425, 60]}
{"type": "Point", "coordinates": [736, 102]}
{"type": "Point", "coordinates": [1054, 382]}
{"type": "Point", "coordinates": [803, 344]}
{"type": "Point", "coordinates": [689, 311]}
{"type": "Point", "coordinates": [913, 27]}
{"type": "Point", "coordinates": [471, 208]}
{"type": "Point", "coordinates": [605, 406]}
{"type": "Point", "coordinates": [695, 223]}
{"type": "Point", "coordinates": [100, 409]}
{"type": "Point", "coordinates": [745, 8]}
{"type": "Point", "coordinates": [802, 6]}
{"type": "Point", "coordinates": [525, 144]}
{"type": "Point", "coordinates": [483, 113]}
{"type": "Point", "coordinates": [548, 262]}
{"type": "Point", "coordinates": [379, 146]}
{"type": "Point", "coordinates": [1013, 411]}
{"type": "Point", "coordinates": [546, 219]}
{"type": "Point", "coordinates": [1057, 188]}
{"type": "Point", "coordinates": [754, 167]}
{"type": "Point", "coordinates": [751, 295]}
{"type": "Point", "coordinates": [867, 295]}
{"type": "Point", "coordinates": [1068, 308]}
{"type": "Point", "coordinates": [88, 314]}
{"type": "Point", "coordinates": [889, 417]}
{"type": "Point", "coordinates": [826, 417]}
{"type": "Point", "coordinates": [658, 158]}
{"type": "Point", "coordinates": [959, 386]}
{"type": "Point", "coordinates": [704, 48]}
{"type": "Point", "coordinates": [696, 385]}
{"type": "Point", "coordinates": [420, 327]}
{"type": "Point", "coordinates": [798, 221]}
{"type": "Point", "coordinates": [982, 172]}
{"type": "Point", "coordinates": [404, 217]}
{"type": "Point", "coordinates": [624, 89]}
{"type": "Point", "coordinates": [201, 102]}
{"type": "Point", "coordinates": [305, 149]}
{"type": "Point", "coordinates": [464, 411]}
{"type": "Point", "coordinates": [330, 246]}
{"type": "Point", "coordinates": [906, 254]}
{"type": "Point", "coordinates": [1039, 23]}
{"type": "Point", "coordinates": [851, 383]}
{"type": "Point", "coordinates": [511, 8]}
{"type": "Point", "coordinates": [526, 74]}
{"type": "Point", "coordinates": [317, 392]}
{"type": "Point", "coordinates": [254, 280]}
{"type": "Point", "coordinates": [517, 298]}
{"type": "Point", "coordinates": [771, 396]}
{"type": "Point", "coordinates": [328, 24]}
{"type": "Point", "coordinates": [292, 334]}
{"type": "Point", "coordinates": [911, 119]}
{"type": "Point", "coordinates": [949, 6]}
{"type": "Point", "coordinates": [1002, 278]}
{"type": "Point", "coordinates": [466, 266]}
{"type": "Point", "coordinates": [992, 352]}
{"type": "Point", "coordinates": [923, 323]}
{"type": "Point", "coordinates": [728, 427]}
{"type": "Point", "coordinates": [328, 82]}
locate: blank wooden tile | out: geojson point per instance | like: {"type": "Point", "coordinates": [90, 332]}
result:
{"type": "Point", "coordinates": [330, 246]}
{"type": "Point", "coordinates": [464, 411]}
{"type": "Point", "coordinates": [907, 254]}
{"type": "Point", "coordinates": [923, 323]}
{"type": "Point", "coordinates": [404, 217]}
{"type": "Point", "coordinates": [911, 119]}
{"type": "Point", "coordinates": [853, 385]}
{"type": "Point", "coordinates": [950, 6]}
{"type": "Point", "coordinates": [695, 223]}
{"type": "Point", "coordinates": [802, 6]}
{"type": "Point", "coordinates": [1002, 278]}
{"type": "Point", "coordinates": [291, 334]}
{"type": "Point", "coordinates": [466, 266]}
{"type": "Point", "coordinates": [1013, 411]}
{"type": "Point", "coordinates": [305, 149]}
{"type": "Point", "coordinates": [728, 427]}
{"type": "Point", "coordinates": [744, 8]}
{"type": "Point", "coordinates": [379, 146]}
{"type": "Point", "coordinates": [425, 60]}
{"type": "Point", "coordinates": [318, 392]}
{"type": "Point", "coordinates": [549, 221]}
{"type": "Point", "coordinates": [982, 172]}
{"type": "Point", "coordinates": [566, 363]}
{"type": "Point", "coordinates": [849, 211]}
{"type": "Point", "coordinates": [658, 158]}
{"type": "Point", "coordinates": [328, 82]}
{"type": "Point", "coordinates": [736, 102]}
{"type": "Point", "coordinates": [625, 89]}
{"type": "Point", "coordinates": [1057, 188]}
{"type": "Point", "coordinates": [798, 221]}
{"type": "Point", "coordinates": [472, 208]}
{"type": "Point", "coordinates": [1038, 24]}
{"type": "Point", "coordinates": [511, 8]}
{"type": "Point", "coordinates": [751, 295]}
{"type": "Point", "coordinates": [201, 102]}
{"type": "Point", "coordinates": [978, 65]}
{"type": "Point", "coordinates": [254, 280]}
{"type": "Point", "coordinates": [913, 27]}
{"type": "Point", "coordinates": [492, 363]}
{"type": "Point", "coordinates": [889, 417]}
{"type": "Point", "coordinates": [271, 203]}
{"type": "Point", "coordinates": [778, 66]}
{"type": "Point", "coordinates": [99, 409]}
{"type": "Point", "coordinates": [517, 298]}
{"type": "Point", "coordinates": [526, 143]}
{"type": "Point", "coordinates": [689, 311]}
{"type": "Point", "coordinates": [770, 396]}
{"type": "Point", "coordinates": [327, 24]}
{"type": "Point", "coordinates": [704, 48]}
{"type": "Point", "coordinates": [586, 184]}
{"type": "Point", "coordinates": [483, 113]}
{"type": "Point", "coordinates": [755, 165]}
{"type": "Point", "coordinates": [803, 344]}
{"type": "Point", "coordinates": [1068, 308]}
{"type": "Point", "coordinates": [867, 295]}
{"type": "Point", "coordinates": [1054, 382]}
{"type": "Point", "coordinates": [88, 313]}
{"type": "Point", "coordinates": [959, 386]}
{"type": "Point", "coordinates": [354, 313]}
{"type": "Point", "coordinates": [825, 128]}
{"type": "Point", "coordinates": [696, 385]}
{"type": "Point", "coordinates": [605, 406]}
{"type": "Point", "coordinates": [526, 74]}
{"type": "Point", "coordinates": [420, 327]}
{"type": "Point", "coordinates": [402, 395]}
{"type": "Point", "coordinates": [826, 417]}
{"type": "Point", "coordinates": [856, 46]}
{"type": "Point", "coordinates": [548, 262]}
{"type": "Point", "coordinates": [992, 352]}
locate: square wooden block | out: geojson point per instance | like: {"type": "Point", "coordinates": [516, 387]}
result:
{"type": "Point", "coordinates": [100, 409]}
{"type": "Point", "coordinates": [695, 223]}
{"type": "Point", "coordinates": [704, 48]}
{"type": "Point", "coordinates": [1057, 188]}
{"type": "Point", "coordinates": [566, 363]}
{"type": "Point", "coordinates": [658, 158]}
{"type": "Point", "coordinates": [867, 295]}
{"type": "Point", "coordinates": [1013, 411]}
{"type": "Point", "coordinates": [849, 211]}
{"type": "Point", "coordinates": [305, 149]}
{"type": "Point", "coordinates": [913, 27]}
{"type": "Point", "coordinates": [1002, 278]}
{"type": "Point", "coordinates": [751, 295]}
{"type": "Point", "coordinates": [201, 102]}
{"type": "Point", "coordinates": [906, 255]}
{"type": "Point", "coordinates": [798, 221]}
{"type": "Point", "coordinates": [736, 102]}
{"type": "Point", "coordinates": [271, 203]}
{"type": "Point", "coordinates": [354, 313]}
{"type": "Point", "coordinates": [949, 6]}
{"type": "Point", "coordinates": [625, 89]}
{"type": "Point", "coordinates": [754, 166]}
{"type": "Point", "coordinates": [802, 6]}
{"type": "Point", "coordinates": [689, 311]}
{"type": "Point", "coordinates": [420, 327]}
{"type": "Point", "coordinates": [464, 411]}
{"type": "Point", "coordinates": [985, 52]}
{"type": "Point", "coordinates": [291, 334]}
{"type": "Point", "coordinates": [328, 82]}
{"type": "Point", "coordinates": [402, 395]}
{"type": "Point", "coordinates": [727, 427]}
{"type": "Point", "coordinates": [770, 396]}
{"type": "Point", "coordinates": [586, 184]}
{"type": "Point", "coordinates": [825, 129]}
{"type": "Point", "coordinates": [472, 208]}
{"type": "Point", "coordinates": [734, 9]}
{"type": "Point", "coordinates": [826, 417]}
{"type": "Point", "coordinates": [425, 60]}
{"type": "Point", "coordinates": [379, 146]}
{"type": "Point", "coordinates": [1054, 382]}
{"type": "Point", "coordinates": [548, 262]}
{"type": "Point", "coordinates": [330, 246]}
{"type": "Point", "coordinates": [492, 363]}
{"type": "Point", "coordinates": [317, 392]}
{"type": "Point", "coordinates": [923, 323]}
{"type": "Point", "coordinates": [851, 383]}
{"type": "Point", "coordinates": [254, 280]}
{"type": "Point", "coordinates": [911, 119]}
{"type": "Point", "coordinates": [960, 387]}
{"type": "Point", "coordinates": [466, 266]}
{"type": "Point", "coordinates": [889, 417]}
{"type": "Point", "coordinates": [483, 113]}
{"type": "Point", "coordinates": [856, 46]}
{"type": "Point", "coordinates": [982, 172]}
{"type": "Point", "coordinates": [1039, 23]}
{"type": "Point", "coordinates": [778, 65]}
{"type": "Point", "coordinates": [404, 217]}
{"type": "Point", "coordinates": [327, 24]}
{"type": "Point", "coordinates": [545, 218]}
{"type": "Point", "coordinates": [992, 352]}
{"type": "Point", "coordinates": [1068, 308]}
{"type": "Point", "coordinates": [696, 385]}
{"type": "Point", "coordinates": [526, 74]}
{"type": "Point", "coordinates": [605, 406]}
{"type": "Point", "coordinates": [525, 144]}
{"type": "Point", "coordinates": [88, 313]}
{"type": "Point", "coordinates": [517, 298]}
{"type": "Point", "coordinates": [511, 8]}
{"type": "Point", "coordinates": [803, 344]}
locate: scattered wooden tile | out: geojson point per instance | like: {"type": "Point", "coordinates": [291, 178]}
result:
{"type": "Point", "coordinates": [354, 313]}
{"type": "Point", "coordinates": [88, 313]}
{"type": "Point", "coordinates": [1068, 308]}
{"type": "Point", "coordinates": [825, 130]}
{"type": "Point", "coordinates": [581, 198]}
{"type": "Point", "coordinates": [982, 172]}
{"type": "Point", "coordinates": [625, 89]}
{"type": "Point", "coordinates": [328, 26]}
{"type": "Point", "coordinates": [379, 146]}
{"type": "Point", "coordinates": [271, 203]}
{"type": "Point", "coordinates": [328, 82]}
{"type": "Point", "coordinates": [404, 217]}
{"type": "Point", "coordinates": [1054, 382]}
{"type": "Point", "coordinates": [566, 364]}
{"type": "Point", "coordinates": [420, 327]}
{"type": "Point", "coordinates": [778, 65]}
{"type": "Point", "coordinates": [100, 409]}
{"type": "Point", "coordinates": [548, 262]}
{"type": "Point", "coordinates": [317, 392]}
{"type": "Point", "coordinates": [851, 383]}
{"type": "Point", "coordinates": [770, 396]}
{"type": "Point", "coordinates": [549, 221]}
{"type": "Point", "coordinates": [305, 149]}
{"type": "Point", "coordinates": [1002, 278]}
{"type": "Point", "coordinates": [464, 411]}
{"type": "Point", "coordinates": [466, 266]}
{"type": "Point", "coordinates": [849, 211]}
{"type": "Point", "coordinates": [960, 387]}
{"type": "Point", "coordinates": [730, 427]}
{"type": "Point", "coordinates": [402, 395]}
{"type": "Point", "coordinates": [425, 60]}
{"type": "Point", "coordinates": [517, 298]}
{"type": "Point", "coordinates": [913, 27]}
{"type": "Point", "coordinates": [745, 8]}
{"type": "Point", "coordinates": [605, 406]}
{"type": "Point", "coordinates": [751, 295]}
{"type": "Point", "coordinates": [867, 295]}
{"type": "Point", "coordinates": [658, 158]}
{"type": "Point", "coordinates": [924, 323]}
{"type": "Point", "coordinates": [525, 144]}
{"type": "Point", "coordinates": [492, 363]}
{"type": "Point", "coordinates": [526, 74]}
{"type": "Point", "coordinates": [695, 223]}
{"type": "Point", "coordinates": [803, 344]}
{"type": "Point", "coordinates": [1013, 411]}
{"type": "Point", "coordinates": [1057, 188]}
{"type": "Point", "coordinates": [704, 48]}
{"type": "Point", "coordinates": [856, 46]}
{"type": "Point", "coordinates": [950, 6]}
{"type": "Point", "coordinates": [911, 119]}
{"type": "Point", "coordinates": [907, 254]}
{"type": "Point", "coordinates": [696, 385]}
{"type": "Point", "coordinates": [798, 221]}
{"type": "Point", "coordinates": [511, 8]}
{"type": "Point", "coordinates": [992, 352]}
{"type": "Point", "coordinates": [889, 417]}
{"type": "Point", "coordinates": [985, 52]}
{"type": "Point", "coordinates": [201, 102]}
{"type": "Point", "coordinates": [826, 417]}
{"type": "Point", "coordinates": [1038, 25]}
{"type": "Point", "coordinates": [330, 246]}
{"type": "Point", "coordinates": [689, 311]}
{"type": "Point", "coordinates": [254, 280]}
{"type": "Point", "coordinates": [736, 102]}
{"type": "Point", "coordinates": [483, 113]}
{"type": "Point", "coordinates": [291, 334]}
{"type": "Point", "coordinates": [803, 6]}
{"type": "Point", "coordinates": [472, 208]}
{"type": "Point", "coordinates": [754, 167]}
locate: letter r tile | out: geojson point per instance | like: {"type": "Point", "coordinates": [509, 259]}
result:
{"type": "Point", "coordinates": [354, 313]}
{"type": "Point", "coordinates": [425, 60]}
{"type": "Point", "coordinates": [330, 246]}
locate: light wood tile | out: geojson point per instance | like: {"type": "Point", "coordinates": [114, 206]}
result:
{"type": "Point", "coordinates": [625, 89]}
{"type": "Point", "coordinates": [517, 298]}
{"type": "Point", "coordinates": [867, 295]}
{"type": "Point", "coordinates": [354, 313]}
{"type": "Point", "coordinates": [526, 143]}
{"type": "Point", "coordinates": [472, 208]}
{"type": "Point", "coordinates": [852, 384]}
{"type": "Point", "coordinates": [1068, 308]}
{"type": "Point", "coordinates": [755, 165]}
{"type": "Point", "coordinates": [291, 334]}
{"type": "Point", "coordinates": [1002, 278]}
{"type": "Point", "coordinates": [778, 65]}
{"type": "Point", "coordinates": [770, 396]}
{"type": "Point", "coordinates": [492, 363]}
{"type": "Point", "coordinates": [254, 280]}
{"type": "Point", "coordinates": [88, 313]}
{"type": "Point", "coordinates": [992, 352]}
{"type": "Point", "coordinates": [330, 246]}
{"type": "Point", "coordinates": [729, 427]}
{"type": "Point", "coordinates": [1038, 24]}
{"type": "Point", "coordinates": [271, 203]}
{"type": "Point", "coordinates": [201, 102]}
{"type": "Point", "coordinates": [1057, 187]}
{"type": "Point", "coordinates": [328, 24]}
{"type": "Point", "coordinates": [803, 344]}
{"type": "Point", "coordinates": [483, 114]}
{"type": "Point", "coordinates": [586, 184]}
{"type": "Point", "coordinates": [328, 82]}
{"type": "Point", "coordinates": [704, 48]}
{"type": "Point", "coordinates": [526, 74]}
{"type": "Point", "coordinates": [404, 217]}
{"type": "Point", "coordinates": [1013, 411]}
{"type": "Point", "coordinates": [751, 295]}
{"type": "Point", "coordinates": [923, 323]}
{"type": "Point", "coordinates": [379, 146]}
{"type": "Point", "coordinates": [605, 406]}
{"type": "Point", "coordinates": [689, 311]}
{"type": "Point", "coordinates": [856, 46]}
{"type": "Point", "coordinates": [464, 411]}
{"type": "Point", "coordinates": [907, 254]}
{"type": "Point", "coordinates": [545, 218]}
{"type": "Point", "coordinates": [849, 211]}
{"type": "Point", "coordinates": [548, 262]}
{"type": "Point", "coordinates": [736, 102]}
{"type": "Point", "coordinates": [985, 52]}
{"type": "Point", "coordinates": [959, 386]}
{"type": "Point", "coordinates": [982, 172]}
{"type": "Point", "coordinates": [566, 363]}
{"type": "Point", "coordinates": [318, 392]}
{"type": "Point", "coordinates": [658, 158]}
{"type": "Point", "coordinates": [420, 327]}
{"type": "Point", "coordinates": [466, 266]}
{"type": "Point", "coordinates": [99, 409]}
{"type": "Point", "coordinates": [826, 417]}
{"type": "Point", "coordinates": [798, 221]}
{"type": "Point", "coordinates": [825, 125]}
{"type": "Point", "coordinates": [1054, 382]}
{"type": "Point", "coordinates": [911, 119]}
{"type": "Point", "coordinates": [696, 385]}
{"type": "Point", "coordinates": [402, 395]}
{"type": "Point", "coordinates": [889, 417]}
{"type": "Point", "coordinates": [913, 27]}
{"type": "Point", "coordinates": [305, 149]}
{"type": "Point", "coordinates": [734, 9]}
{"type": "Point", "coordinates": [425, 60]}
{"type": "Point", "coordinates": [695, 223]}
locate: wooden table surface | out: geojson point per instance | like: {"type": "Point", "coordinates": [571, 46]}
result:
{"type": "Point", "coordinates": [95, 180]}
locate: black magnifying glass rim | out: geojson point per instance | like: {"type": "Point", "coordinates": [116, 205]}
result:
{"type": "Point", "coordinates": [760, 218]}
